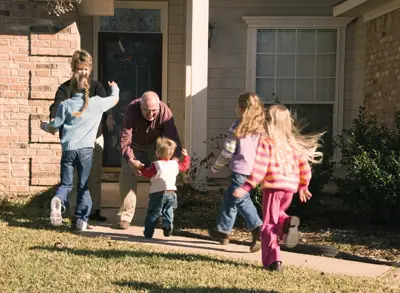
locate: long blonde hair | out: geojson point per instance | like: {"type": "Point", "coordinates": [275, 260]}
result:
{"type": "Point", "coordinates": [80, 82]}
{"type": "Point", "coordinates": [252, 115]}
{"type": "Point", "coordinates": [280, 126]}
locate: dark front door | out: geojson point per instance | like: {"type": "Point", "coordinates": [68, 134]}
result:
{"type": "Point", "coordinates": [134, 61]}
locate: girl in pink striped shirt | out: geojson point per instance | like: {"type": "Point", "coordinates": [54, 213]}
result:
{"type": "Point", "coordinates": [282, 167]}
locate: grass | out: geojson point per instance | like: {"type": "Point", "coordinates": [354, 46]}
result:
{"type": "Point", "coordinates": [35, 257]}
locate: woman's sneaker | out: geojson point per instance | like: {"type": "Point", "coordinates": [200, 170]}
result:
{"type": "Point", "coordinates": [291, 229]}
{"type": "Point", "coordinates": [55, 214]}
{"type": "Point", "coordinates": [81, 225]}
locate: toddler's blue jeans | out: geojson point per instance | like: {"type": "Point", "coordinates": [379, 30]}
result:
{"type": "Point", "coordinates": [162, 204]}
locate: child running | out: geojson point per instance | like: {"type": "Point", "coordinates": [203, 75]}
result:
{"type": "Point", "coordinates": [282, 166]}
{"type": "Point", "coordinates": [80, 117]}
{"type": "Point", "coordinates": [240, 150]}
{"type": "Point", "coordinates": [163, 199]}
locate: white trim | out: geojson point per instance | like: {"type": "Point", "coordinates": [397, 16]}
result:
{"type": "Point", "coordinates": [197, 16]}
{"type": "Point", "coordinates": [346, 6]}
{"type": "Point", "coordinates": [384, 9]}
{"type": "Point", "coordinates": [339, 24]}
{"type": "Point", "coordinates": [163, 7]}
{"type": "Point", "coordinates": [298, 22]}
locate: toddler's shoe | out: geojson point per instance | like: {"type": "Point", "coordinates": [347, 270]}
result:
{"type": "Point", "coordinates": [219, 236]}
{"type": "Point", "coordinates": [167, 231]}
{"type": "Point", "coordinates": [255, 243]}
{"type": "Point", "coordinates": [291, 229]}
{"type": "Point", "coordinates": [55, 214]}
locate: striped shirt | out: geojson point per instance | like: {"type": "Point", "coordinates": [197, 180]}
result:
{"type": "Point", "coordinates": [271, 172]}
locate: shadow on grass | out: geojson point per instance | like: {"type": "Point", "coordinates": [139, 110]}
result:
{"type": "Point", "coordinates": [153, 288]}
{"type": "Point", "coordinates": [112, 253]}
{"type": "Point", "coordinates": [33, 214]}
{"type": "Point", "coordinates": [167, 242]}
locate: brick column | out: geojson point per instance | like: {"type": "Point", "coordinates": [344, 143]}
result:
{"type": "Point", "coordinates": [35, 51]}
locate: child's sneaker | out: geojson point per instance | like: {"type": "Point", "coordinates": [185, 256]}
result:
{"type": "Point", "coordinates": [255, 243]}
{"type": "Point", "coordinates": [219, 236]}
{"type": "Point", "coordinates": [167, 231]}
{"type": "Point", "coordinates": [81, 225]}
{"type": "Point", "coordinates": [275, 267]}
{"type": "Point", "coordinates": [290, 228]}
{"type": "Point", "coordinates": [55, 214]}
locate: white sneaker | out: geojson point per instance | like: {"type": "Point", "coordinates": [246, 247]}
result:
{"type": "Point", "coordinates": [81, 225]}
{"type": "Point", "coordinates": [55, 215]}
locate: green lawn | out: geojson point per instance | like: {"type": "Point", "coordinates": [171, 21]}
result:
{"type": "Point", "coordinates": [30, 262]}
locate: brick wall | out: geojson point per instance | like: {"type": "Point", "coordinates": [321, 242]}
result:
{"type": "Point", "coordinates": [382, 67]}
{"type": "Point", "coordinates": [35, 51]}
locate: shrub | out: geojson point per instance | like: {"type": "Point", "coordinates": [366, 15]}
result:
{"type": "Point", "coordinates": [371, 156]}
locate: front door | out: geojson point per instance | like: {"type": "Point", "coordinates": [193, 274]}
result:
{"type": "Point", "coordinates": [134, 62]}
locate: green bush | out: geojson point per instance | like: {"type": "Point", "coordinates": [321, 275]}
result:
{"type": "Point", "coordinates": [371, 156]}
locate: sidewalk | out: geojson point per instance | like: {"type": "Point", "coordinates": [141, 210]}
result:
{"type": "Point", "coordinates": [191, 245]}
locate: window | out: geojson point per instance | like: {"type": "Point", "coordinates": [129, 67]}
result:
{"type": "Point", "coordinates": [299, 62]}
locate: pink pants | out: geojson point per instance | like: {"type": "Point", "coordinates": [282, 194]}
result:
{"type": "Point", "coordinates": [274, 204]}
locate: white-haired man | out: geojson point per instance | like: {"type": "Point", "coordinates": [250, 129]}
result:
{"type": "Point", "coordinates": [145, 120]}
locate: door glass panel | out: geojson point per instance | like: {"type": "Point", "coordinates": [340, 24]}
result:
{"type": "Point", "coordinates": [132, 20]}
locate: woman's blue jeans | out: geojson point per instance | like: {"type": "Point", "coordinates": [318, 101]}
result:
{"type": "Point", "coordinates": [230, 206]}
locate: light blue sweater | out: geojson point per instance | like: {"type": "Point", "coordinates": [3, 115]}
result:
{"type": "Point", "coordinates": [80, 132]}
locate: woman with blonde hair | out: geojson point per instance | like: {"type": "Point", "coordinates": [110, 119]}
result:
{"type": "Point", "coordinates": [240, 151]}
{"type": "Point", "coordinates": [282, 167]}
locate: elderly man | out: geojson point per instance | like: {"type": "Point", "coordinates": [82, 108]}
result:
{"type": "Point", "coordinates": [145, 120]}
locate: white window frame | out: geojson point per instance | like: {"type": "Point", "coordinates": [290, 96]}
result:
{"type": "Point", "coordinates": [163, 7]}
{"type": "Point", "coordinates": [303, 22]}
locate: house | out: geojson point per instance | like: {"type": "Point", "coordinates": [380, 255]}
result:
{"type": "Point", "coordinates": [323, 58]}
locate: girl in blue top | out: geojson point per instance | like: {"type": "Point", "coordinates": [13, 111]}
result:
{"type": "Point", "coordinates": [80, 117]}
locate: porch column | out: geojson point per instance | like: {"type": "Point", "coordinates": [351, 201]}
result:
{"type": "Point", "coordinates": [196, 80]}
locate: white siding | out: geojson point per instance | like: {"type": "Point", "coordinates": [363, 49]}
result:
{"type": "Point", "coordinates": [354, 71]}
